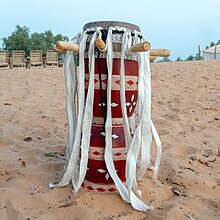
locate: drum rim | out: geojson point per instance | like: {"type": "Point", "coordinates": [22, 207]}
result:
{"type": "Point", "coordinates": [107, 24]}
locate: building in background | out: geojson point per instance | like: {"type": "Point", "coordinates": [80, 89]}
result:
{"type": "Point", "coordinates": [212, 53]}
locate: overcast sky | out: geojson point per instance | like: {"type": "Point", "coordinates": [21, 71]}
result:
{"type": "Point", "coordinates": [178, 25]}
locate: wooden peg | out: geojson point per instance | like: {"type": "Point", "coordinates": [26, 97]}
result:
{"type": "Point", "coordinates": [100, 44]}
{"type": "Point", "coordinates": [58, 50]}
{"type": "Point", "coordinates": [141, 47]}
{"type": "Point", "coordinates": [67, 46]}
{"type": "Point", "coordinates": [152, 58]}
{"type": "Point", "coordinates": [160, 52]}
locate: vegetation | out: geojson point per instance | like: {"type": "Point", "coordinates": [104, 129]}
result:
{"type": "Point", "coordinates": [21, 39]}
{"type": "Point", "coordinates": [165, 59]}
{"type": "Point", "coordinates": [179, 59]}
{"type": "Point", "coordinates": [190, 58]}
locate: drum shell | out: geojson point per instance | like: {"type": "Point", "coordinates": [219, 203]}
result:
{"type": "Point", "coordinates": [97, 177]}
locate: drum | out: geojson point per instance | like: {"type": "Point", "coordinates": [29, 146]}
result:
{"type": "Point", "coordinates": [97, 177]}
{"type": "Point", "coordinates": [107, 145]}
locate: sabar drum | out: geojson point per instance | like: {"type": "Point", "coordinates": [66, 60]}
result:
{"type": "Point", "coordinates": [108, 147]}
{"type": "Point", "coordinates": [98, 177]}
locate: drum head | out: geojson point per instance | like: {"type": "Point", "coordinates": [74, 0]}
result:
{"type": "Point", "coordinates": [107, 24]}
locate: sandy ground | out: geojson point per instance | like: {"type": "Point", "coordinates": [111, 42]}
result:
{"type": "Point", "coordinates": [33, 127]}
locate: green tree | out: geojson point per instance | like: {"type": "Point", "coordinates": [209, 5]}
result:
{"type": "Point", "coordinates": [19, 40]}
{"type": "Point", "coordinates": [48, 40]}
{"type": "Point", "coordinates": [45, 41]}
{"type": "Point", "coordinates": [165, 59]}
{"type": "Point", "coordinates": [212, 44]}
{"type": "Point", "coordinates": [37, 41]}
{"type": "Point", "coordinates": [60, 37]}
{"type": "Point", "coordinates": [197, 57]}
{"type": "Point", "coordinates": [190, 58]}
{"type": "Point", "coordinates": [179, 59]}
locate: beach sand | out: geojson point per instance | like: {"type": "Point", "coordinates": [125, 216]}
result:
{"type": "Point", "coordinates": [33, 130]}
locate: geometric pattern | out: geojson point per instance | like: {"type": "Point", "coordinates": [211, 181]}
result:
{"type": "Point", "coordinates": [132, 104]}
{"type": "Point", "coordinates": [115, 136]}
{"type": "Point", "coordinates": [113, 104]}
{"type": "Point", "coordinates": [130, 83]}
{"type": "Point", "coordinates": [131, 100]}
{"type": "Point", "coordinates": [109, 188]}
{"type": "Point", "coordinates": [116, 122]}
{"type": "Point", "coordinates": [97, 153]}
{"type": "Point", "coordinates": [104, 171]}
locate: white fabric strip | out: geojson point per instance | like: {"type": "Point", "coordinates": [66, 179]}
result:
{"type": "Point", "coordinates": [88, 114]}
{"type": "Point", "coordinates": [70, 84]}
{"type": "Point", "coordinates": [108, 126]}
{"type": "Point", "coordinates": [72, 171]}
{"type": "Point", "coordinates": [73, 163]}
{"type": "Point", "coordinates": [128, 138]}
{"type": "Point", "coordinates": [144, 96]}
{"type": "Point", "coordinates": [159, 149]}
{"type": "Point", "coordinates": [132, 123]}
{"type": "Point", "coordinates": [144, 67]}
{"type": "Point", "coordinates": [133, 149]}
{"type": "Point", "coordinates": [126, 194]}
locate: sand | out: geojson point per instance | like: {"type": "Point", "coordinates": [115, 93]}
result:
{"type": "Point", "coordinates": [33, 129]}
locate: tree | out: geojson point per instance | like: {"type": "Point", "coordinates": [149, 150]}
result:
{"type": "Point", "coordinates": [197, 57]}
{"type": "Point", "coordinates": [212, 44]}
{"type": "Point", "coordinates": [42, 41]}
{"type": "Point", "coordinates": [19, 40]}
{"type": "Point", "coordinates": [179, 59]}
{"type": "Point", "coordinates": [190, 58]}
{"type": "Point", "coordinates": [60, 37]}
{"type": "Point", "coordinates": [165, 59]}
{"type": "Point", "coordinates": [37, 41]}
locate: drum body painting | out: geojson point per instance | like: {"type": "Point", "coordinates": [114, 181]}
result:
{"type": "Point", "coordinates": [97, 177]}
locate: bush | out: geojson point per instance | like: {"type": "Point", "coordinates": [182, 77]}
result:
{"type": "Point", "coordinates": [21, 39]}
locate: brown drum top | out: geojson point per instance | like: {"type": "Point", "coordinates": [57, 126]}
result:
{"type": "Point", "coordinates": [107, 24]}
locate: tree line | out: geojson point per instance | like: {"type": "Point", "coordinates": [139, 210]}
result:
{"type": "Point", "coordinates": [21, 39]}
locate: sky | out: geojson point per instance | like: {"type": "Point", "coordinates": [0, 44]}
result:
{"type": "Point", "coordinates": [177, 25]}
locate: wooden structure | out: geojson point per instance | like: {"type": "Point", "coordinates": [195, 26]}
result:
{"type": "Point", "coordinates": [51, 58]}
{"type": "Point", "coordinates": [36, 58]}
{"type": "Point", "coordinates": [18, 58]}
{"type": "Point", "coordinates": [4, 62]}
